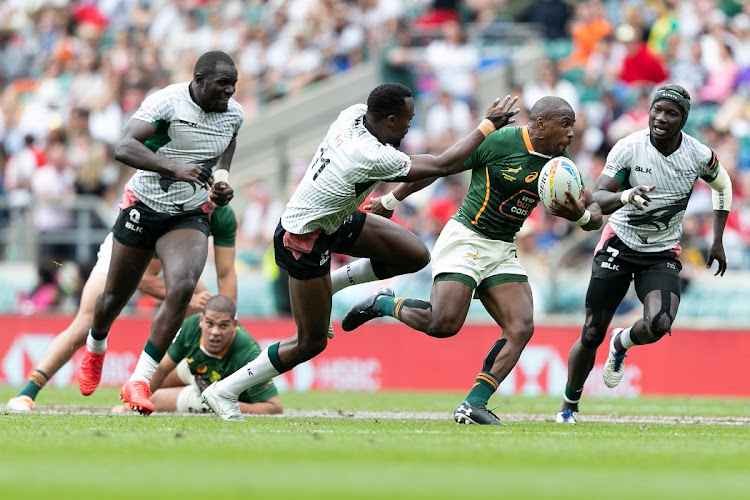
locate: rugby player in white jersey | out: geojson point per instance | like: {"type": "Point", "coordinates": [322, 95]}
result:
{"type": "Point", "coordinates": [321, 218]}
{"type": "Point", "coordinates": [174, 140]}
{"type": "Point", "coordinates": [646, 184]}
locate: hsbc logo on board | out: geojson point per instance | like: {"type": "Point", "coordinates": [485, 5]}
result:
{"type": "Point", "coordinates": [543, 370]}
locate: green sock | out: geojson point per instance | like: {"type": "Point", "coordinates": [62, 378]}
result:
{"type": "Point", "coordinates": [388, 305]}
{"type": "Point", "coordinates": [273, 356]}
{"type": "Point", "coordinates": [37, 380]}
{"type": "Point", "coordinates": [485, 386]}
{"type": "Point", "coordinates": [153, 351]}
{"type": "Point", "coordinates": [572, 396]}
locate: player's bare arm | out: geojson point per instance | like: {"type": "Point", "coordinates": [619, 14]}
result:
{"type": "Point", "coordinates": [131, 151]}
{"type": "Point", "coordinates": [165, 368]}
{"type": "Point", "coordinates": [226, 276]}
{"type": "Point", "coordinates": [221, 192]}
{"type": "Point", "coordinates": [609, 197]}
{"type": "Point", "coordinates": [499, 114]}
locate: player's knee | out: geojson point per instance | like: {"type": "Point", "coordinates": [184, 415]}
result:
{"type": "Point", "coordinates": [311, 347]}
{"type": "Point", "coordinates": [660, 325]}
{"type": "Point", "coordinates": [419, 260]}
{"type": "Point", "coordinates": [443, 329]}
{"type": "Point", "coordinates": [592, 336]}
{"type": "Point", "coordinates": [181, 291]}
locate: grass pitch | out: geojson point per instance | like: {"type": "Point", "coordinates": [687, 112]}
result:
{"type": "Point", "coordinates": [382, 445]}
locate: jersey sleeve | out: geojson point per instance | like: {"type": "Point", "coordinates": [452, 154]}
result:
{"type": "Point", "coordinates": [224, 227]}
{"type": "Point", "coordinates": [709, 164]}
{"type": "Point", "coordinates": [178, 348]}
{"type": "Point", "coordinates": [155, 109]}
{"type": "Point", "coordinates": [618, 162]}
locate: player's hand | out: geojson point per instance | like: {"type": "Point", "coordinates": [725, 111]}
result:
{"type": "Point", "coordinates": [571, 209]}
{"type": "Point", "coordinates": [221, 193]}
{"type": "Point", "coordinates": [193, 172]}
{"type": "Point", "coordinates": [197, 302]}
{"type": "Point", "coordinates": [639, 197]}
{"type": "Point", "coordinates": [377, 208]}
{"type": "Point", "coordinates": [500, 113]}
{"type": "Point", "coordinates": [717, 253]}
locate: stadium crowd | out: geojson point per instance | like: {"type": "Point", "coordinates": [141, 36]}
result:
{"type": "Point", "coordinates": [72, 73]}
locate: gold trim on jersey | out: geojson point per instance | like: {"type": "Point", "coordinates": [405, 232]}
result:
{"type": "Point", "coordinates": [486, 196]}
{"type": "Point", "coordinates": [527, 139]}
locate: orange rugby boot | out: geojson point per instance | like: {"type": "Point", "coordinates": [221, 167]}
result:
{"type": "Point", "coordinates": [90, 372]}
{"type": "Point", "coordinates": [137, 394]}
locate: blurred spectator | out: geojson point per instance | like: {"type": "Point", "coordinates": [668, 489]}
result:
{"type": "Point", "coordinates": [664, 26]}
{"type": "Point", "coordinates": [398, 59]}
{"type": "Point", "coordinates": [589, 25]}
{"type": "Point", "coordinates": [722, 79]}
{"type": "Point", "coordinates": [19, 170]}
{"type": "Point", "coordinates": [52, 189]}
{"type": "Point", "coordinates": [551, 15]}
{"type": "Point", "coordinates": [639, 66]}
{"type": "Point", "coordinates": [548, 82]}
{"type": "Point", "coordinates": [258, 222]}
{"type": "Point", "coordinates": [454, 62]}
{"type": "Point", "coordinates": [446, 121]}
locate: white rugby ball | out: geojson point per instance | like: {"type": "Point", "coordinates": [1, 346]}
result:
{"type": "Point", "coordinates": [558, 175]}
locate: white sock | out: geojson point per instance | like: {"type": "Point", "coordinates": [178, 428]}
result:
{"type": "Point", "coordinates": [359, 271]}
{"type": "Point", "coordinates": [625, 339]}
{"type": "Point", "coordinates": [96, 346]}
{"type": "Point", "coordinates": [255, 372]}
{"type": "Point", "coordinates": [144, 369]}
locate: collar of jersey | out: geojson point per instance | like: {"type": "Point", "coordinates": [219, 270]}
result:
{"type": "Point", "coordinates": [527, 141]}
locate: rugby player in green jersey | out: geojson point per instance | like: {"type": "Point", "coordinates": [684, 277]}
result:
{"type": "Point", "coordinates": [475, 254]}
{"type": "Point", "coordinates": [212, 344]}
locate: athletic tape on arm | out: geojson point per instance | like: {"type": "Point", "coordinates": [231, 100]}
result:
{"type": "Point", "coordinates": [721, 190]}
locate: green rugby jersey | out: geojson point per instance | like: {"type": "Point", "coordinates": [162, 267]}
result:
{"type": "Point", "coordinates": [206, 368]}
{"type": "Point", "coordinates": [503, 189]}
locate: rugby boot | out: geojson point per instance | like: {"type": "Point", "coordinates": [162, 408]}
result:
{"type": "Point", "coordinates": [90, 372]}
{"type": "Point", "coordinates": [567, 417]}
{"type": "Point", "coordinates": [137, 394]}
{"type": "Point", "coordinates": [226, 407]}
{"type": "Point", "coordinates": [614, 367]}
{"type": "Point", "coordinates": [470, 414]}
{"type": "Point", "coordinates": [364, 311]}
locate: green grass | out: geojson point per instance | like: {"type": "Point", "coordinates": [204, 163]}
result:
{"type": "Point", "coordinates": [115, 456]}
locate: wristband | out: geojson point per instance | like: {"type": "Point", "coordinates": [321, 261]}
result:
{"type": "Point", "coordinates": [221, 175]}
{"type": "Point", "coordinates": [486, 127]}
{"type": "Point", "coordinates": [585, 218]}
{"type": "Point", "coordinates": [625, 195]}
{"type": "Point", "coordinates": [389, 201]}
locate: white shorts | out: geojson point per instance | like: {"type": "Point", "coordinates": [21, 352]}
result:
{"type": "Point", "coordinates": [183, 371]}
{"type": "Point", "coordinates": [460, 250]}
{"type": "Point", "coordinates": [103, 256]}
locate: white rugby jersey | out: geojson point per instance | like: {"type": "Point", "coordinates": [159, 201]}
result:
{"type": "Point", "coordinates": [345, 169]}
{"type": "Point", "coordinates": [184, 133]}
{"type": "Point", "coordinates": [635, 161]}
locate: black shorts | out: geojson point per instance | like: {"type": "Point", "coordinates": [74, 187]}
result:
{"type": "Point", "coordinates": [139, 226]}
{"type": "Point", "coordinates": [616, 265]}
{"type": "Point", "coordinates": [308, 256]}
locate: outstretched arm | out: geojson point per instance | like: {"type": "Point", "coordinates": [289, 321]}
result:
{"type": "Point", "coordinates": [499, 114]}
{"type": "Point", "coordinates": [166, 366]}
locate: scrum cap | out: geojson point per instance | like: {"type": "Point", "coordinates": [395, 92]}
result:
{"type": "Point", "coordinates": [678, 95]}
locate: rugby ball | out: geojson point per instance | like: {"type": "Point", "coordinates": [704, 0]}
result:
{"type": "Point", "coordinates": [558, 175]}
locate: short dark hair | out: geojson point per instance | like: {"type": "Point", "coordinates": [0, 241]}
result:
{"type": "Point", "coordinates": [221, 303]}
{"type": "Point", "coordinates": [206, 63]}
{"type": "Point", "coordinates": [387, 99]}
{"type": "Point", "coordinates": [549, 106]}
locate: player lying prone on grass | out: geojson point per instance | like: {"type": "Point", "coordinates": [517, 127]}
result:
{"type": "Point", "coordinates": [212, 344]}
